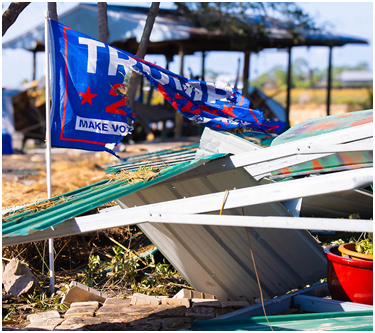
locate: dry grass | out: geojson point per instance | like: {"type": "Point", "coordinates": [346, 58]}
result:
{"type": "Point", "coordinates": [319, 96]}
{"type": "Point", "coordinates": [66, 177]}
{"type": "Point", "coordinates": [143, 174]}
{"type": "Point", "coordinates": [301, 113]}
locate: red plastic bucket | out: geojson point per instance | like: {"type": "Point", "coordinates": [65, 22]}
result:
{"type": "Point", "coordinates": [349, 279]}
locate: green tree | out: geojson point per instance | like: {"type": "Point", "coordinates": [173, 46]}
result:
{"type": "Point", "coordinates": [275, 76]}
{"type": "Point", "coordinates": [233, 17]}
{"type": "Point", "coordinates": [364, 66]}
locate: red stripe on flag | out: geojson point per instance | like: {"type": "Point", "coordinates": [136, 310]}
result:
{"type": "Point", "coordinates": [66, 96]}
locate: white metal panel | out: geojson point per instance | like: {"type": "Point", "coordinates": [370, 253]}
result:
{"type": "Point", "coordinates": [327, 205]}
{"type": "Point", "coordinates": [216, 259]}
{"type": "Point", "coordinates": [239, 201]}
{"type": "Point", "coordinates": [279, 222]}
{"type": "Point", "coordinates": [281, 267]}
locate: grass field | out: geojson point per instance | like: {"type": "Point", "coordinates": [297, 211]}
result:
{"type": "Point", "coordinates": [319, 96]}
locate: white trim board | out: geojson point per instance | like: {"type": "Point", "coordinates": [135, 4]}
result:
{"type": "Point", "coordinates": [310, 186]}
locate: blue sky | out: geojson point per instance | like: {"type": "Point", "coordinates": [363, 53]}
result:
{"type": "Point", "coordinates": [345, 18]}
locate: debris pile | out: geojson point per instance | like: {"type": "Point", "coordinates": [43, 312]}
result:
{"type": "Point", "coordinates": [18, 279]}
{"type": "Point", "coordinates": [139, 312]}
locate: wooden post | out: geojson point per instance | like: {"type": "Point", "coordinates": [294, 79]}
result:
{"type": "Point", "coordinates": [168, 60]}
{"type": "Point", "coordinates": [288, 83]}
{"type": "Point", "coordinates": [103, 22]}
{"type": "Point", "coordinates": [203, 65]}
{"type": "Point", "coordinates": [52, 9]}
{"type": "Point", "coordinates": [34, 65]}
{"type": "Point", "coordinates": [237, 75]}
{"type": "Point", "coordinates": [179, 117]}
{"type": "Point", "coordinates": [140, 98]}
{"type": "Point", "coordinates": [246, 70]}
{"type": "Point", "coordinates": [181, 53]}
{"type": "Point", "coordinates": [329, 80]}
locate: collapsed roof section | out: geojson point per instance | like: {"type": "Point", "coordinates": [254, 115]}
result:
{"type": "Point", "coordinates": [206, 213]}
{"type": "Point", "coordinates": [171, 29]}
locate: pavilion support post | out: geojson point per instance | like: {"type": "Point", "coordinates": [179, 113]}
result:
{"type": "Point", "coordinates": [246, 75]}
{"type": "Point", "coordinates": [288, 88]}
{"type": "Point", "coordinates": [179, 117]}
{"type": "Point", "coordinates": [329, 80]}
{"type": "Point", "coordinates": [164, 131]}
{"type": "Point", "coordinates": [34, 65]}
{"type": "Point", "coordinates": [140, 98]}
{"type": "Point", "coordinates": [237, 75]}
{"type": "Point", "coordinates": [168, 60]}
{"type": "Point", "coordinates": [203, 65]}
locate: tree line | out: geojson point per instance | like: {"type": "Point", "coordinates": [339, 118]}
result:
{"type": "Point", "coordinates": [303, 76]}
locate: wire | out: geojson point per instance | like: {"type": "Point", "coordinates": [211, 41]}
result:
{"type": "Point", "coordinates": [252, 256]}
{"type": "Point", "coordinates": [225, 199]}
{"type": "Point", "coordinates": [256, 273]}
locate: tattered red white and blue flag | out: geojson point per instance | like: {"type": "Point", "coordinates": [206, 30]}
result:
{"type": "Point", "coordinates": [89, 101]}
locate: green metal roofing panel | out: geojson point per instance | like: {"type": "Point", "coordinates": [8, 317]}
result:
{"type": "Point", "coordinates": [334, 162]}
{"type": "Point", "coordinates": [165, 158]}
{"type": "Point", "coordinates": [332, 321]}
{"type": "Point", "coordinates": [322, 125]}
{"type": "Point", "coordinates": [72, 204]}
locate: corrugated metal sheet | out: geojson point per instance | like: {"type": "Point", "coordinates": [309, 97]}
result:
{"type": "Point", "coordinates": [124, 22]}
{"type": "Point", "coordinates": [337, 204]}
{"type": "Point", "coordinates": [318, 126]}
{"type": "Point", "coordinates": [213, 259]}
{"type": "Point", "coordinates": [331, 205]}
{"type": "Point", "coordinates": [48, 213]}
{"type": "Point", "coordinates": [216, 259]}
{"type": "Point", "coordinates": [163, 158]}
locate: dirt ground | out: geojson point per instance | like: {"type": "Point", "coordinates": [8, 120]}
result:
{"type": "Point", "coordinates": [24, 175]}
{"type": "Point", "coordinates": [24, 182]}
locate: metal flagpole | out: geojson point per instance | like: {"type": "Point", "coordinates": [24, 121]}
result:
{"type": "Point", "coordinates": [48, 148]}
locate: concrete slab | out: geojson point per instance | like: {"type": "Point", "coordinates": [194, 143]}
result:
{"type": "Point", "coordinates": [155, 322]}
{"type": "Point", "coordinates": [164, 311]}
{"type": "Point", "coordinates": [37, 317]}
{"type": "Point", "coordinates": [206, 302]}
{"type": "Point", "coordinates": [47, 324]}
{"type": "Point", "coordinates": [93, 304]}
{"type": "Point", "coordinates": [187, 293]}
{"type": "Point", "coordinates": [81, 321]}
{"type": "Point", "coordinates": [81, 293]}
{"type": "Point", "coordinates": [117, 301]}
{"type": "Point", "coordinates": [115, 312]}
{"type": "Point", "coordinates": [175, 324]}
{"type": "Point", "coordinates": [201, 313]}
{"type": "Point", "coordinates": [142, 299]}
{"type": "Point", "coordinates": [80, 311]}
{"type": "Point", "coordinates": [65, 328]}
{"type": "Point", "coordinates": [176, 302]}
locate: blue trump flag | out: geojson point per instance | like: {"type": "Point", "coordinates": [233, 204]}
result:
{"type": "Point", "coordinates": [89, 93]}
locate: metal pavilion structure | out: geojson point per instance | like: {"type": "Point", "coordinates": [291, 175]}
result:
{"type": "Point", "coordinates": [173, 35]}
